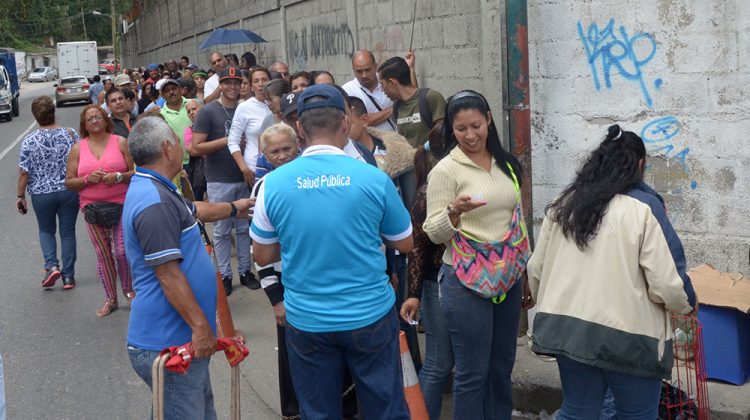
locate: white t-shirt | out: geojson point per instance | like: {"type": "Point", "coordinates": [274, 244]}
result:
{"type": "Point", "coordinates": [247, 122]}
{"type": "Point", "coordinates": [354, 88]}
{"type": "Point", "coordinates": [211, 85]}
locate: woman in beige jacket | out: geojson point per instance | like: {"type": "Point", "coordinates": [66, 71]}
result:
{"type": "Point", "coordinates": [607, 271]}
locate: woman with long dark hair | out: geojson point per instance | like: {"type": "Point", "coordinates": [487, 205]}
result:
{"type": "Point", "coordinates": [474, 208]}
{"type": "Point", "coordinates": [607, 271]}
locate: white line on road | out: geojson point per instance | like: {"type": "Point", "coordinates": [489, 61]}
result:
{"type": "Point", "coordinates": [16, 141]}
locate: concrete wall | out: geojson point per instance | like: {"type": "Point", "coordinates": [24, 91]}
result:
{"type": "Point", "coordinates": [458, 43]}
{"type": "Point", "coordinates": [674, 71]}
{"type": "Point", "coordinates": [677, 72]}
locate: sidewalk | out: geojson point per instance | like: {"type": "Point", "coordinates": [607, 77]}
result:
{"type": "Point", "coordinates": [536, 387]}
{"type": "Point", "coordinates": [536, 383]}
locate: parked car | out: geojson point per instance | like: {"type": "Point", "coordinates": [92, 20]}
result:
{"type": "Point", "coordinates": [108, 67]}
{"type": "Point", "coordinates": [72, 89]}
{"type": "Point", "coordinates": [43, 74]}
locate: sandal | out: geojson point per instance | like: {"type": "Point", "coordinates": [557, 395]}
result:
{"type": "Point", "coordinates": [110, 306]}
{"type": "Point", "coordinates": [129, 295]}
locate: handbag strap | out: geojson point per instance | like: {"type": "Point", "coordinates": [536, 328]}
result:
{"type": "Point", "coordinates": [514, 178]}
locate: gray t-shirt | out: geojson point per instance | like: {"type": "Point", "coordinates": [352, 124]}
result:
{"type": "Point", "coordinates": [214, 120]}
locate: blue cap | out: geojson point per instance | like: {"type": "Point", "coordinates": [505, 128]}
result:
{"type": "Point", "coordinates": [329, 96]}
{"type": "Point", "coordinates": [153, 66]}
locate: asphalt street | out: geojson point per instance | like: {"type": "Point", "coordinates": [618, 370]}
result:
{"type": "Point", "coordinates": [61, 361]}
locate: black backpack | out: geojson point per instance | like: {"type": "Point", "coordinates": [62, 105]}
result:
{"type": "Point", "coordinates": [424, 111]}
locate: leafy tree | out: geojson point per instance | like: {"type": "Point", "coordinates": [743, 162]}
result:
{"type": "Point", "coordinates": [26, 23]}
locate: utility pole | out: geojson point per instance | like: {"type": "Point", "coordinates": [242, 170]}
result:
{"type": "Point", "coordinates": [114, 32]}
{"type": "Point", "coordinates": [83, 19]}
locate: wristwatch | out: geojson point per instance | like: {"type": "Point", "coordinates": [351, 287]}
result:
{"type": "Point", "coordinates": [234, 210]}
{"type": "Point", "coordinates": [118, 177]}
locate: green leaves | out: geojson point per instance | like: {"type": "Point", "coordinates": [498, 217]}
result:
{"type": "Point", "coordinates": [26, 23]}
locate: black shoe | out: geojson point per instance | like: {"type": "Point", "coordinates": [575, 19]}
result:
{"type": "Point", "coordinates": [50, 277]}
{"type": "Point", "coordinates": [227, 281]}
{"type": "Point", "coordinates": [69, 282]}
{"type": "Point", "coordinates": [248, 280]}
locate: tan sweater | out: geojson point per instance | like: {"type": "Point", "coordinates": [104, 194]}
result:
{"type": "Point", "coordinates": [457, 175]}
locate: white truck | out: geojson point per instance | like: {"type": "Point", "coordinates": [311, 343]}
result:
{"type": "Point", "coordinates": [21, 64]}
{"type": "Point", "coordinates": [77, 59]}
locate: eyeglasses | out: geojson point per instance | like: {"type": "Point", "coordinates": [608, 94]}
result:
{"type": "Point", "coordinates": [95, 118]}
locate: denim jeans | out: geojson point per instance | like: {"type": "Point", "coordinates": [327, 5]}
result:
{"type": "Point", "coordinates": [2, 390]}
{"type": "Point", "coordinates": [187, 396]}
{"type": "Point", "coordinates": [483, 337]}
{"type": "Point", "coordinates": [372, 354]}
{"type": "Point", "coordinates": [609, 411]}
{"type": "Point", "coordinates": [50, 208]}
{"type": "Point", "coordinates": [220, 192]}
{"type": "Point", "coordinates": [438, 354]}
{"type": "Point", "coordinates": [585, 386]}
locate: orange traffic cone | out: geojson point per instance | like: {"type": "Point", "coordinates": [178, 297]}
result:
{"type": "Point", "coordinates": [412, 391]}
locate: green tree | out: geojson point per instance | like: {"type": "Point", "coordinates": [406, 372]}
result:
{"type": "Point", "coordinates": [25, 23]}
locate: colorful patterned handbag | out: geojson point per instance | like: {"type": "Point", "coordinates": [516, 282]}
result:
{"type": "Point", "coordinates": [490, 269]}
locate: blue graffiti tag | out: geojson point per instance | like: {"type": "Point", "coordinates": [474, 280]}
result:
{"type": "Point", "coordinates": [660, 129]}
{"type": "Point", "coordinates": [610, 49]}
{"type": "Point", "coordinates": [657, 136]}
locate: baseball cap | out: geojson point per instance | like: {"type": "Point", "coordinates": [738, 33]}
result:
{"type": "Point", "coordinates": [153, 66]}
{"type": "Point", "coordinates": [122, 79]}
{"type": "Point", "coordinates": [230, 73]}
{"type": "Point", "coordinates": [330, 98]}
{"type": "Point", "coordinates": [289, 104]}
{"type": "Point", "coordinates": [191, 67]}
{"type": "Point", "coordinates": [169, 82]}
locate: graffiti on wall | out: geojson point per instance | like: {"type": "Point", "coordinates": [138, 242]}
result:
{"type": "Point", "coordinates": [613, 51]}
{"type": "Point", "coordinates": [661, 137]}
{"type": "Point", "coordinates": [318, 41]}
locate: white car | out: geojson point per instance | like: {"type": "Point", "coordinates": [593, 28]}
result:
{"type": "Point", "coordinates": [42, 74]}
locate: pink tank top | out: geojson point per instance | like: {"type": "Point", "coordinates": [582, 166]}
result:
{"type": "Point", "coordinates": [111, 160]}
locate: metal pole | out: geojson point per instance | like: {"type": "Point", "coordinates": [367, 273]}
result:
{"type": "Point", "coordinates": [518, 97]}
{"type": "Point", "coordinates": [83, 19]}
{"type": "Point", "coordinates": [114, 32]}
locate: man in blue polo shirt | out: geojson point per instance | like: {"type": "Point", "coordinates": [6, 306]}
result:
{"type": "Point", "coordinates": [173, 276]}
{"type": "Point", "coordinates": [326, 216]}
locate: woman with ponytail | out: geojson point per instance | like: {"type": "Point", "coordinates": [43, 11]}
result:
{"type": "Point", "coordinates": [607, 271]}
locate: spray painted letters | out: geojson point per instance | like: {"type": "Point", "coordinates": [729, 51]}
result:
{"type": "Point", "coordinates": [320, 40]}
{"type": "Point", "coordinates": [609, 49]}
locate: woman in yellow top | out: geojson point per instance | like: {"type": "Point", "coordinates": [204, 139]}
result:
{"type": "Point", "coordinates": [473, 207]}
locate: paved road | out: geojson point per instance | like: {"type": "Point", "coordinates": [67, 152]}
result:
{"type": "Point", "coordinates": [61, 361]}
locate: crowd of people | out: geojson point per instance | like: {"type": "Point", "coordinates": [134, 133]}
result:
{"type": "Point", "coordinates": [361, 210]}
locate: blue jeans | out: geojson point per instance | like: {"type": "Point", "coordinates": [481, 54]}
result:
{"type": "Point", "coordinates": [50, 208]}
{"type": "Point", "coordinates": [185, 396]}
{"type": "Point", "coordinates": [438, 354]}
{"type": "Point", "coordinates": [609, 411]}
{"type": "Point", "coordinates": [219, 192]}
{"type": "Point", "coordinates": [585, 386]}
{"type": "Point", "coordinates": [317, 360]}
{"type": "Point", "coordinates": [483, 336]}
